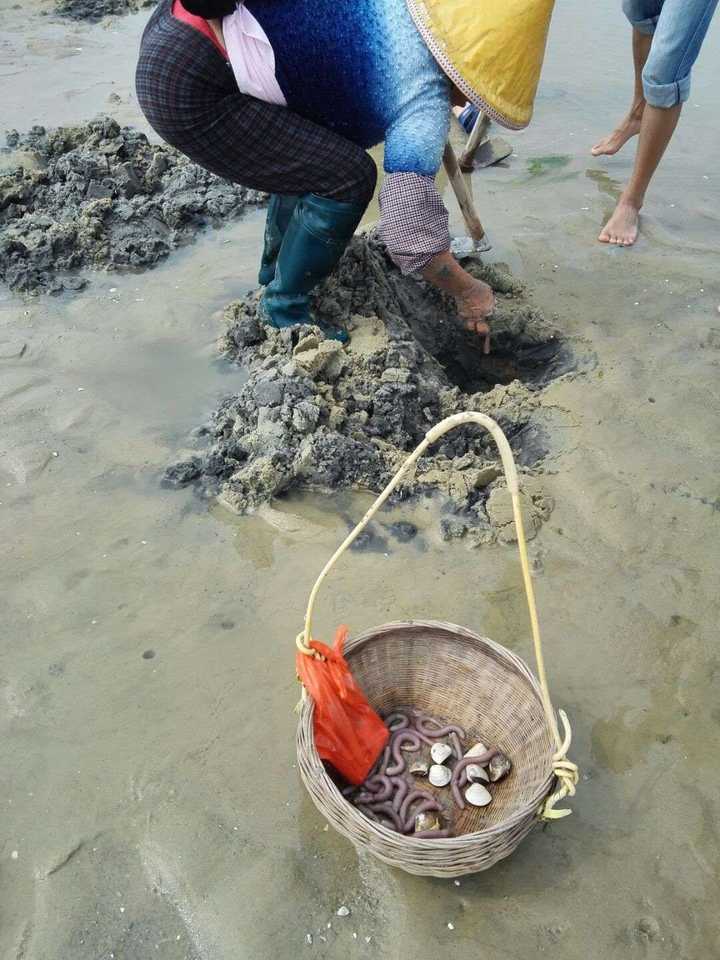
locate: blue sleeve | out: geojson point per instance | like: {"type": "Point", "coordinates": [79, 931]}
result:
{"type": "Point", "coordinates": [415, 140]}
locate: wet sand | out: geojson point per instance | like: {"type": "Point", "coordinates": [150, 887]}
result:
{"type": "Point", "coordinates": [150, 804]}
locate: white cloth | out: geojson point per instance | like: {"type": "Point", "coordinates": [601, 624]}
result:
{"type": "Point", "coordinates": [251, 56]}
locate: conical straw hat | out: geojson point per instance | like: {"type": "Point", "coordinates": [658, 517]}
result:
{"type": "Point", "coordinates": [492, 50]}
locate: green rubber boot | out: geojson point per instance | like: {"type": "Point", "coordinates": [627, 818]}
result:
{"type": "Point", "coordinates": [318, 232]}
{"type": "Point", "coordinates": [279, 211]}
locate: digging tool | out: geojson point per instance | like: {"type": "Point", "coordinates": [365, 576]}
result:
{"type": "Point", "coordinates": [467, 207]}
{"type": "Point", "coordinates": [480, 151]}
{"type": "Point", "coordinates": [477, 135]}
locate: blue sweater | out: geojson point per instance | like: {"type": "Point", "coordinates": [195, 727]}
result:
{"type": "Point", "coordinates": [360, 68]}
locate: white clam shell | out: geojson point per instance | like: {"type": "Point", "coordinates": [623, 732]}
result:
{"type": "Point", "coordinates": [477, 795]}
{"type": "Point", "coordinates": [475, 771]}
{"type": "Point", "coordinates": [439, 775]}
{"type": "Point", "coordinates": [440, 752]}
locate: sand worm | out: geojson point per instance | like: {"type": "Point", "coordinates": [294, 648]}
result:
{"type": "Point", "coordinates": [412, 796]}
{"type": "Point", "coordinates": [366, 797]}
{"type": "Point", "coordinates": [413, 726]}
{"type": "Point", "coordinates": [420, 717]}
{"type": "Point", "coordinates": [457, 795]}
{"type": "Point", "coordinates": [430, 727]}
{"type": "Point", "coordinates": [420, 726]}
{"type": "Point", "coordinates": [481, 759]}
{"type": "Point", "coordinates": [386, 787]}
{"type": "Point", "coordinates": [381, 762]}
{"type": "Point", "coordinates": [401, 789]}
{"type": "Point", "coordinates": [397, 721]}
{"type": "Point", "coordinates": [421, 736]}
{"type": "Point", "coordinates": [403, 736]}
{"type": "Point", "coordinates": [374, 783]}
{"type": "Point", "coordinates": [388, 798]}
{"type": "Point", "coordinates": [387, 810]}
{"type": "Point", "coordinates": [406, 735]}
{"type": "Point", "coordinates": [380, 818]}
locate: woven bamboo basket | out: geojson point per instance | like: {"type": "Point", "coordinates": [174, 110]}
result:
{"type": "Point", "coordinates": [458, 676]}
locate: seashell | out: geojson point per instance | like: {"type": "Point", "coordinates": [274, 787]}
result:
{"type": "Point", "coordinates": [440, 752]}
{"type": "Point", "coordinates": [499, 767]}
{"type": "Point", "coordinates": [439, 775]}
{"type": "Point", "coordinates": [477, 795]}
{"type": "Point", "coordinates": [419, 768]}
{"type": "Point", "coordinates": [427, 821]}
{"type": "Point", "coordinates": [474, 771]}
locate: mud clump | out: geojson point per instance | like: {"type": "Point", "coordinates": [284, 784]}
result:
{"type": "Point", "coordinates": [318, 415]}
{"type": "Point", "coordinates": [101, 195]}
{"type": "Point", "coordinates": [94, 10]}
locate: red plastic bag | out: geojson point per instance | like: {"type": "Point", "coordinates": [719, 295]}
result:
{"type": "Point", "coordinates": [348, 732]}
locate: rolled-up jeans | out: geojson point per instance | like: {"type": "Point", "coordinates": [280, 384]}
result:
{"type": "Point", "coordinates": [678, 28]}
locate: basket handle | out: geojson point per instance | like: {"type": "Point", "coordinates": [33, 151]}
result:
{"type": "Point", "coordinates": [564, 769]}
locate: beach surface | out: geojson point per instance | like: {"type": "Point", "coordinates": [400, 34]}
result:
{"type": "Point", "coordinates": [151, 807]}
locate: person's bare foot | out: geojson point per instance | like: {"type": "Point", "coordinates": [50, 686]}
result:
{"type": "Point", "coordinates": [630, 127]}
{"type": "Point", "coordinates": [622, 227]}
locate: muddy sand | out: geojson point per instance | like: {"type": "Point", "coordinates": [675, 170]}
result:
{"type": "Point", "coordinates": [100, 195]}
{"type": "Point", "coordinates": [150, 804]}
{"type": "Point", "coordinates": [314, 415]}
{"type": "Point", "coordinates": [94, 10]}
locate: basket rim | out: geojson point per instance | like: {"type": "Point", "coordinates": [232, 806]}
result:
{"type": "Point", "coordinates": [504, 653]}
{"type": "Point", "coordinates": [307, 708]}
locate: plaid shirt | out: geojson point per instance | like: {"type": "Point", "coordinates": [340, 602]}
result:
{"type": "Point", "coordinates": [413, 220]}
{"type": "Point", "coordinates": [188, 94]}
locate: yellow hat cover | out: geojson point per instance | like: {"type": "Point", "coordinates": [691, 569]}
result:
{"type": "Point", "coordinates": [492, 50]}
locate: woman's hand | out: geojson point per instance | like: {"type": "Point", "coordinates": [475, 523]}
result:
{"type": "Point", "coordinates": [475, 299]}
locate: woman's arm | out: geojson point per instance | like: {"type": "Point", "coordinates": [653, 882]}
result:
{"type": "Point", "coordinates": [413, 217]}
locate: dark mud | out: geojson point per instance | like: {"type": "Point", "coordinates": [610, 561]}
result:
{"type": "Point", "coordinates": [94, 10]}
{"type": "Point", "coordinates": [316, 415]}
{"type": "Point", "coordinates": [101, 196]}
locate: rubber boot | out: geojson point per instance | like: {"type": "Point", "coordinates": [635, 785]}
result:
{"type": "Point", "coordinates": [279, 211]}
{"type": "Point", "coordinates": [318, 232]}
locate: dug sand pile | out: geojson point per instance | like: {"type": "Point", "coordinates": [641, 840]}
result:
{"type": "Point", "coordinates": [316, 415]}
{"type": "Point", "coordinates": [101, 195]}
{"type": "Point", "coordinates": [94, 10]}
